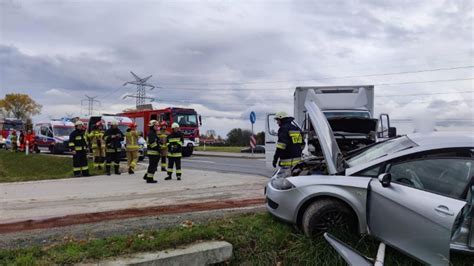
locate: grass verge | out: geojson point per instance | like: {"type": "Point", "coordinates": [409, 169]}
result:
{"type": "Point", "coordinates": [258, 239]}
{"type": "Point", "coordinates": [220, 148]}
{"type": "Point", "coordinates": [16, 166]}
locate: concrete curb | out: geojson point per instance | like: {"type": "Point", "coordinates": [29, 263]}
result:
{"type": "Point", "coordinates": [226, 155]}
{"type": "Point", "coordinates": [204, 253]}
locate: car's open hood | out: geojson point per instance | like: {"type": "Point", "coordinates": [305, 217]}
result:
{"type": "Point", "coordinates": [331, 151]}
{"type": "Point", "coordinates": [353, 124]}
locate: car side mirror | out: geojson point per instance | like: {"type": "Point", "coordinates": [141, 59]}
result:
{"type": "Point", "coordinates": [385, 179]}
{"type": "Point", "coordinates": [392, 132]}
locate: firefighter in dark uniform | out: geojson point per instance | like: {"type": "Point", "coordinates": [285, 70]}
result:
{"type": "Point", "coordinates": [78, 145]}
{"type": "Point", "coordinates": [290, 142]}
{"type": "Point", "coordinates": [113, 142]}
{"type": "Point", "coordinates": [175, 146]}
{"type": "Point", "coordinates": [153, 151]}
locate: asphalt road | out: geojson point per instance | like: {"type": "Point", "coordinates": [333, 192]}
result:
{"type": "Point", "coordinates": [224, 164]}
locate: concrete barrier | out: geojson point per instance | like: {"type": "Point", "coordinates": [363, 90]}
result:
{"type": "Point", "coordinates": [204, 253]}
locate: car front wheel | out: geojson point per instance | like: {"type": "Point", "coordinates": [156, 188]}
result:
{"type": "Point", "coordinates": [327, 215]}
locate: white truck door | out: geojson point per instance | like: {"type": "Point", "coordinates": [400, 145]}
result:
{"type": "Point", "coordinates": [271, 137]}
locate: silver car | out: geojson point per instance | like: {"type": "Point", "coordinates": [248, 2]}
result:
{"type": "Point", "coordinates": [412, 192]}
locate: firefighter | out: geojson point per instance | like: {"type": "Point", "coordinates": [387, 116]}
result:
{"type": "Point", "coordinates": [131, 141]}
{"type": "Point", "coordinates": [153, 151]}
{"type": "Point", "coordinates": [175, 145]}
{"type": "Point", "coordinates": [14, 141]}
{"type": "Point", "coordinates": [113, 142]}
{"type": "Point", "coordinates": [290, 142]}
{"type": "Point", "coordinates": [163, 135]}
{"type": "Point", "coordinates": [78, 145]}
{"type": "Point", "coordinates": [96, 138]}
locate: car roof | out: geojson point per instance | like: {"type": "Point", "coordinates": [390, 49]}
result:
{"type": "Point", "coordinates": [425, 141]}
{"type": "Point", "coordinates": [442, 139]}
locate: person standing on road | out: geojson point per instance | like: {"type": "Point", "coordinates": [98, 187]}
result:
{"type": "Point", "coordinates": [96, 138]}
{"type": "Point", "coordinates": [153, 151]}
{"type": "Point", "coordinates": [30, 139]}
{"type": "Point", "coordinates": [113, 140]}
{"type": "Point", "coordinates": [131, 142]}
{"type": "Point", "coordinates": [290, 142]}
{"type": "Point", "coordinates": [78, 145]}
{"type": "Point", "coordinates": [163, 135]}
{"type": "Point", "coordinates": [175, 147]}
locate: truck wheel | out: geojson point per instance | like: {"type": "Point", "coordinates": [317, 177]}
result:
{"type": "Point", "coordinates": [326, 215]}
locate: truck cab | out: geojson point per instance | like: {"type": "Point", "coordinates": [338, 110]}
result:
{"type": "Point", "coordinates": [349, 111]}
{"type": "Point", "coordinates": [188, 120]}
{"type": "Point", "coordinates": [7, 125]}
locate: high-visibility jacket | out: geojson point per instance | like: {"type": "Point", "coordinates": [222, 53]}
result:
{"type": "Point", "coordinates": [113, 139]}
{"type": "Point", "coordinates": [163, 135]}
{"type": "Point", "coordinates": [153, 143]}
{"type": "Point", "coordinates": [289, 145]}
{"type": "Point", "coordinates": [95, 137]}
{"type": "Point", "coordinates": [77, 141]}
{"type": "Point", "coordinates": [175, 144]}
{"type": "Point", "coordinates": [131, 140]}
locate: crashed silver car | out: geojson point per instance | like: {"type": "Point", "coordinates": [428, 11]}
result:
{"type": "Point", "coordinates": [411, 192]}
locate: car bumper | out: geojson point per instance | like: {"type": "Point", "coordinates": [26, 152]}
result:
{"type": "Point", "coordinates": [282, 204]}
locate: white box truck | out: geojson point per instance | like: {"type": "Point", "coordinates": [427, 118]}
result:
{"type": "Point", "coordinates": [350, 112]}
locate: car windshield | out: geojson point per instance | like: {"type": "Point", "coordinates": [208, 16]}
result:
{"type": "Point", "coordinates": [346, 114]}
{"type": "Point", "coordinates": [62, 131]}
{"type": "Point", "coordinates": [186, 120]}
{"type": "Point", "coordinates": [123, 128]}
{"type": "Point", "coordinates": [380, 149]}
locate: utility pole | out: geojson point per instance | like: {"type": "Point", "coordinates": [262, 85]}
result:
{"type": "Point", "coordinates": [90, 104]}
{"type": "Point", "coordinates": [141, 84]}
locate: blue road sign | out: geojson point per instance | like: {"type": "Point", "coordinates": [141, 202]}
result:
{"type": "Point", "coordinates": [253, 117]}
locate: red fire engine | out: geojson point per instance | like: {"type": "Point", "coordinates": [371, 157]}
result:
{"type": "Point", "coordinates": [7, 125]}
{"type": "Point", "coordinates": [188, 120]}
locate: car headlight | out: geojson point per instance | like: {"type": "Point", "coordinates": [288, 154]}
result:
{"type": "Point", "coordinates": [281, 184]}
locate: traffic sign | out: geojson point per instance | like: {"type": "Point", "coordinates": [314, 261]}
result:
{"type": "Point", "coordinates": [253, 142]}
{"type": "Point", "coordinates": [253, 117]}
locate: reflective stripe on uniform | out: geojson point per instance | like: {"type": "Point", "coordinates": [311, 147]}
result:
{"type": "Point", "coordinates": [179, 172]}
{"type": "Point", "coordinates": [153, 145]}
{"type": "Point", "coordinates": [149, 175]}
{"type": "Point", "coordinates": [281, 145]}
{"type": "Point", "coordinates": [76, 169]}
{"type": "Point", "coordinates": [175, 140]}
{"type": "Point", "coordinates": [71, 144]}
{"type": "Point", "coordinates": [178, 154]}
{"type": "Point", "coordinates": [169, 170]}
{"type": "Point", "coordinates": [78, 138]}
{"type": "Point", "coordinates": [78, 148]}
{"type": "Point", "coordinates": [152, 152]}
{"type": "Point", "coordinates": [85, 168]}
{"type": "Point", "coordinates": [289, 162]}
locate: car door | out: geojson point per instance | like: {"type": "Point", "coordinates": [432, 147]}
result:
{"type": "Point", "coordinates": [416, 212]}
{"type": "Point", "coordinates": [271, 138]}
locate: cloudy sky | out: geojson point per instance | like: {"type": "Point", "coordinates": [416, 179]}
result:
{"type": "Point", "coordinates": [226, 58]}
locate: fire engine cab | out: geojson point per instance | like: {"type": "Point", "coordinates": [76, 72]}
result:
{"type": "Point", "coordinates": [188, 120]}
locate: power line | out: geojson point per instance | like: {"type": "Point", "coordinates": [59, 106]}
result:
{"type": "Point", "coordinates": [323, 78]}
{"type": "Point", "coordinates": [286, 89]}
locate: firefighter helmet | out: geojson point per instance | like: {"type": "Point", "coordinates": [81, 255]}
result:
{"type": "Point", "coordinates": [79, 123]}
{"type": "Point", "coordinates": [280, 115]}
{"type": "Point", "coordinates": [175, 125]}
{"type": "Point", "coordinates": [151, 123]}
{"type": "Point", "coordinates": [114, 123]}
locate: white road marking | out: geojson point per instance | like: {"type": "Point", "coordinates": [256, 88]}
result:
{"type": "Point", "coordinates": [197, 161]}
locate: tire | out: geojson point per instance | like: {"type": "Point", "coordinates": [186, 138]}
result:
{"type": "Point", "coordinates": [188, 150]}
{"type": "Point", "coordinates": [327, 215]}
